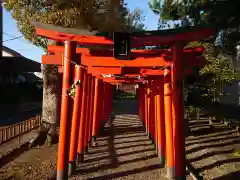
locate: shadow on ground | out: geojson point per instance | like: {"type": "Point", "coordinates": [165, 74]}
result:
{"type": "Point", "coordinates": [233, 175]}
{"type": "Point", "coordinates": [210, 149]}
{"type": "Point", "coordinates": [124, 150]}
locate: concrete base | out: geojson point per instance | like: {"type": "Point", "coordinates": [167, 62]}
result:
{"type": "Point", "coordinates": [71, 168]}
{"type": "Point", "coordinates": [161, 156]}
{"type": "Point", "coordinates": [170, 172]}
{"type": "Point", "coordinates": [62, 175]}
{"type": "Point", "coordinates": [180, 177]}
{"type": "Point", "coordinates": [80, 158]}
{"type": "Point", "coordinates": [146, 130]}
{"type": "Point", "coordinates": [94, 138]}
{"type": "Point", "coordinates": [162, 159]}
{"type": "Point", "coordinates": [148, 133]}
{"type": "Point", "coordinates": [90, 144]}
{"type": "Point", "coordinates": [86, 150]}
{"type": "Point", "coordinates": [143, 124]}
{"type": "Point", "coordinates": [153, 142]}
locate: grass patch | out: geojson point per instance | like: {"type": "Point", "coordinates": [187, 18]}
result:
{"type": "Point", "coordinates": [236, 153]}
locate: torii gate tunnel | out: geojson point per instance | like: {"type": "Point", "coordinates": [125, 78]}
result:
{"type": "Point", "coordinates": [158, 73]}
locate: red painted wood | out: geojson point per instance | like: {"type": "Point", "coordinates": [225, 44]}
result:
{"type": "Point", "coordinates": [135, 41]}
{"type": "Point", "coordinates": [137, 63]}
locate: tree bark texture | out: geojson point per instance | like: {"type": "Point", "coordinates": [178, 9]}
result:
{"type": "Point", "coordinates": [48, 131]}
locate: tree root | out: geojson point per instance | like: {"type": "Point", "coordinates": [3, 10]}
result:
{"type": "Point", "coordinates": [47, 135]}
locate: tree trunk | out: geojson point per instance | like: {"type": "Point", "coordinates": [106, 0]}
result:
{"type": "Point", "coordinates": [47, 133]}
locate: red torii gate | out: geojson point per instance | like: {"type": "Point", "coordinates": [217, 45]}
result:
{"type": "Point", "coordinates": [160, 99]}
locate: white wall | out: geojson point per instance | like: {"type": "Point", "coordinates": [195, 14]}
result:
{"type": "Point", "coordinates": [5, 54]}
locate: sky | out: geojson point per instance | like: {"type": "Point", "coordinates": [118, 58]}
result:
{"type": "Point", "coordinates": [25, 48]}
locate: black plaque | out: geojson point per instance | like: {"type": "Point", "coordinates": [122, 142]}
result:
{"type": "Point", "coordinates": [121, 45]}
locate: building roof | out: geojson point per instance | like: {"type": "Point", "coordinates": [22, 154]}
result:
{"type": "Point", "coordinates": [17, 62]}
{"type": "Point", "coordinates": [10, 51]}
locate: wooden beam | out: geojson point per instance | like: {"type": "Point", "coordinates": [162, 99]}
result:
{"type": "Point", "coordinates": [174, 37]}
{"type": "Point", "coordinates": [53, 59]}
{"type": "Point", "coordinates": [154, 72]}
{"type": "Point", "coordinates": [64, 30]}
{"type": "Point", "coordinates": [112, 62]}
{"type": "Point", "coordinates": [104, 70]}
{"type": "Point", "coordinates": [134, 53]}
{"type": "Point", "coordinates": [138, 39]}
{"type": "Point", "coordinates": [86, 40]}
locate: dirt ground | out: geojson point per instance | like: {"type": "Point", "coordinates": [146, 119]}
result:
{"type": "Point", "coordinates": [213, 150]}
{"type": "Point", "coordinates": [124, 152]}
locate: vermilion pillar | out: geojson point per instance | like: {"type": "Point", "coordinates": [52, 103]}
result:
{"type": "Point", "coordinates": [110, 99]}
{"type": "Point", "coordinates": [160, 119]}
{"type": "Point", "coordinates": [139, 103]}
{"type": "Point", "coordinates": [142, 101]}
{"type": "Point", "coordinates": [169, 123]}
{"type": "Point", "coordinates": [105, 103]}
{"type": "Point", "coordinates": [65, 128]}
{"type": "Point", "coordinates": [100, 105]}
{"type": "Point", "coordinates": [178, 112]}
{"type": "Point", "coordinates": [107, 100]}
{"type": "Point", "coordinates": [91, 110]}
{"type": "Point", "coordinates": [80, 149]}
{"type": "Point", "coordinates": [78, 77]}
{"type": "Point", "coordinates": [148, 108]}
{"type": "Point", "coordinates": [152, 113]}
{"type": "Point", "coordinates": [95, 111]}
{"type": "Point", "coordinates": [155, 86]}
{"type": "Point", "coordinates": [101, 100]}
{"type": "Point", "coordinates": [87, 119]}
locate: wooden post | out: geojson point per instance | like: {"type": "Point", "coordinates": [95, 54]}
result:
{"type": "Point", "coordinates": [75, 120]}
{"type": "Point", "coordinates": [100, 104]}
{"type": "Point", "coordinates": [95, 110]}
{"type": "Point", "coordinates": [151, 113]}
{"type": "Point", "coordinates": [169, 123]}
{"type": "Point", "coordinates": [110, 98]}
{"type": "Point", "coordinates": [65, 128]}
{"type": "Point", "coordinates": [143, 104]}
{"type": "Point", "coordinates": [148, 109]}
{"type": "Point", "coordinates": [109, 95]}
{"type": "Point", "coordinates": [87, 119]}
{"type": "Point", "coordinates": [140, 103]}
{"type": "Point", "coordinates": [80, 150]}
{"type": "Point", "coordinates": [178, 112]}
{"type": "Point", "coordinates": [105, 103]}
{"type": "Point", "coordinates": [156, 119]}
{"type": "Point", "coordinates": [160, 121]}
{"type": "Point", "coordinates": [91, 110]}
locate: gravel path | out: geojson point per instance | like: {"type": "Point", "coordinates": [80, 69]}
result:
{"type": "Point", "coordinates": [210, 150]}
{"type": "Point", "coordinates": [123, 151]}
